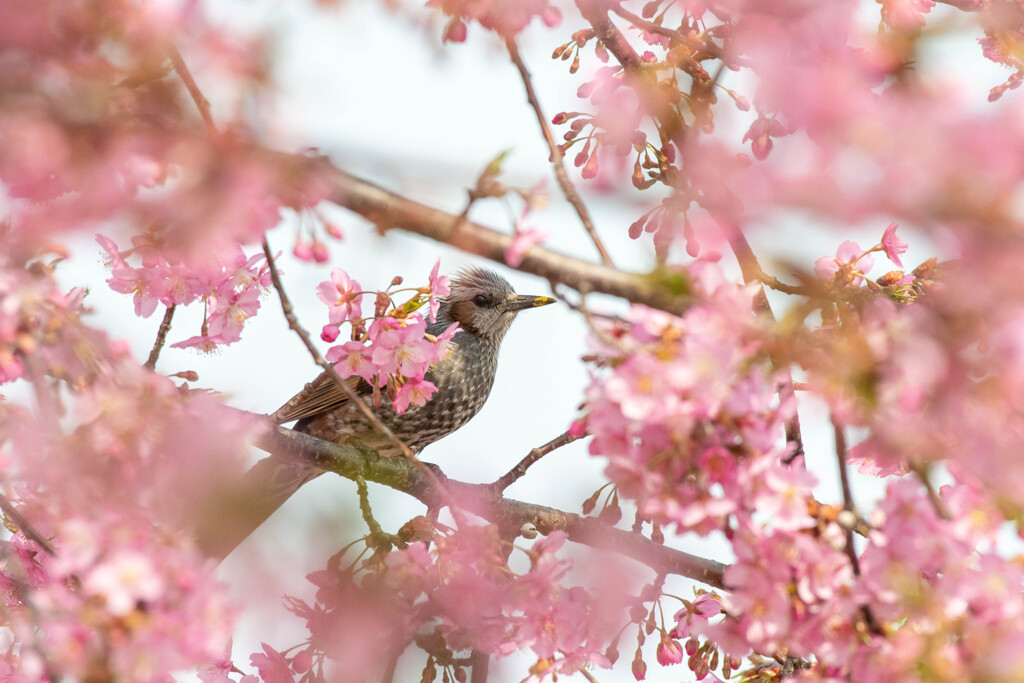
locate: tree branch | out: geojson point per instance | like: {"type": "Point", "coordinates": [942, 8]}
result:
{"type": "Point", "coordinates": [403, 475]}
{"type": "Point", "coordinates": [390, 210]}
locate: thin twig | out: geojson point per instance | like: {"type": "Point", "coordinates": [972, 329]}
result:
{"type": "Point", "coordinates": [752, 272]}
{"type": "Point", "coordinates": [202, 104]}
{"type": "Point", "coordinates": [840, 438]}
{"type": "Point", "coordinates": [533, 456]}
{"type": "Point", "coordinates": [24, 526]}
{"type": "Point", "coordinates": [557, 156]}
{"type": "Point", "coordinates": [161, 337]}
{"type": "Point", "coordinates": [293, 324]}
{"type": "Point", "coordinates": [364, 509]}
{"type": "Point", "coordinates": [940, 506]}
{"type": "Point", "coordinates": [848, 505]}
{"type": "Point", "coordinates": [778, 285]}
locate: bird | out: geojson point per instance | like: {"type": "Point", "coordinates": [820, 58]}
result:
{"type": "Point", "coordinates": [484, 305]}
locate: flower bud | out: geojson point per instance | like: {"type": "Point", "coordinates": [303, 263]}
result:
{"type": "Point", "coordinates": [669, 652]}
{"type": "Point", "coordinates": [329, 333]}
{"type": "Point", "coordinates": [528, 531]}
{"type": "Point", "coordinates": [455, 32]}
{"type": "Point", "coordinates": [302, 251]}
{"type": "Point", "coordinates": [320, 252]}
{"type": "Point", "coordinates": [639, 668]}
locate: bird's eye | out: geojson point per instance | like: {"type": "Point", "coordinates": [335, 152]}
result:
{"type": "Point", "coordinates": [481, 300]}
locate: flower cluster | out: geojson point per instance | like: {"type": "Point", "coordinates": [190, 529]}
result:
{"type": "Point", "coordinates": [458, 596]}
{"type": "Point", "coordinates": [119, 599]}
{"type": "Point", "coordinates": [689, 418]}
{"type": "Point", "coordinates": [105, 565]}
{"type": "Point", "coordinates": [397, 347]}
{"type": "Point", "coordinates": [39, 324]}
{"type": "Point", "coordinates": [228, 283]}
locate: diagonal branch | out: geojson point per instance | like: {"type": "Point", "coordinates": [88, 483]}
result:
{"type": "Point", "coordinates": [557, 156]}
{"type": "Point", "coordinates": [293, 323]}
{"type": "Point", "coordinates": [403, 475]}
{"type": "Point", "coordinates": [532, 457]}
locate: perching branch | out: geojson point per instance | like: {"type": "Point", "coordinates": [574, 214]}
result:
{"type": "Point", "coordinates": [402, 474]}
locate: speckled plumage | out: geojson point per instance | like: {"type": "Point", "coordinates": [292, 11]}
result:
{"type": "Point", "coordinates": [484, 304]}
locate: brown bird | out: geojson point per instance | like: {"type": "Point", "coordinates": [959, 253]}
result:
{"type": "Point", "coordinates": [484, 305]}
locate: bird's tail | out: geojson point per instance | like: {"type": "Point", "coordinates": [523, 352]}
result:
{"type": "Point", "coordinates": [260, 492]}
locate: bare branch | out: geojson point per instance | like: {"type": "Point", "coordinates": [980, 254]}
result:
{"type": "Point", "coordinates": [557, 156]}
{"type": "Point", "coordinates": [840, 438]}
{"type": "Point", "coordinates": [533, 456]}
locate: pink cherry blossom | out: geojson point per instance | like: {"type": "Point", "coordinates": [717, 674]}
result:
{"type": "Point", "coordinates": [342, 295]}
{"type": "Point", "coordinates": [413, 392]}
{"type": "Point", "coordinates": [849, 258]}
{"type": "Point", "coordinates": [402, 349]}
{"type": "Point", "coordinates": [521, 243]}
{"type": "Point", "coordinates": [124, 582]}
{"type": "Point", "coordinates": [893, 245]}
{"type": "Point", "coordinates": [353, 358]}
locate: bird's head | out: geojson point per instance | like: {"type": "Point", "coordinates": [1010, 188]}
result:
{"type": "Point", "coordinates": [484, 303]}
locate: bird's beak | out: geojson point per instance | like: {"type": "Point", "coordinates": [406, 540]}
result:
{"type": "Point", "coordinates": [523, 302]}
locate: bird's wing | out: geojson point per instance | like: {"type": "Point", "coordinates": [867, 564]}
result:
{"type": "Point", "coordinates": [320, 396]}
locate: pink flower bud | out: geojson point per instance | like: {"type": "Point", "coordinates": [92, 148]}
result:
{"type": "Point", "coordinates": [302, 251]}
{"type": "Point", "coordinates": [550, 16]}
{"type": "Point", "coordinates": [320, 252]}
{"type": "Point", "coordinates": [301, 662]}
{"type": "Point", "coordinates": [329, 333]}
{"type": "Point", "coordinates": [669, 652]}
{"type": "Point", "coordinates": [639, 668]}
{"type": "Point", "coordinates": [333, 230]}
{"type": "Point", "coordinates": [455, 32]}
